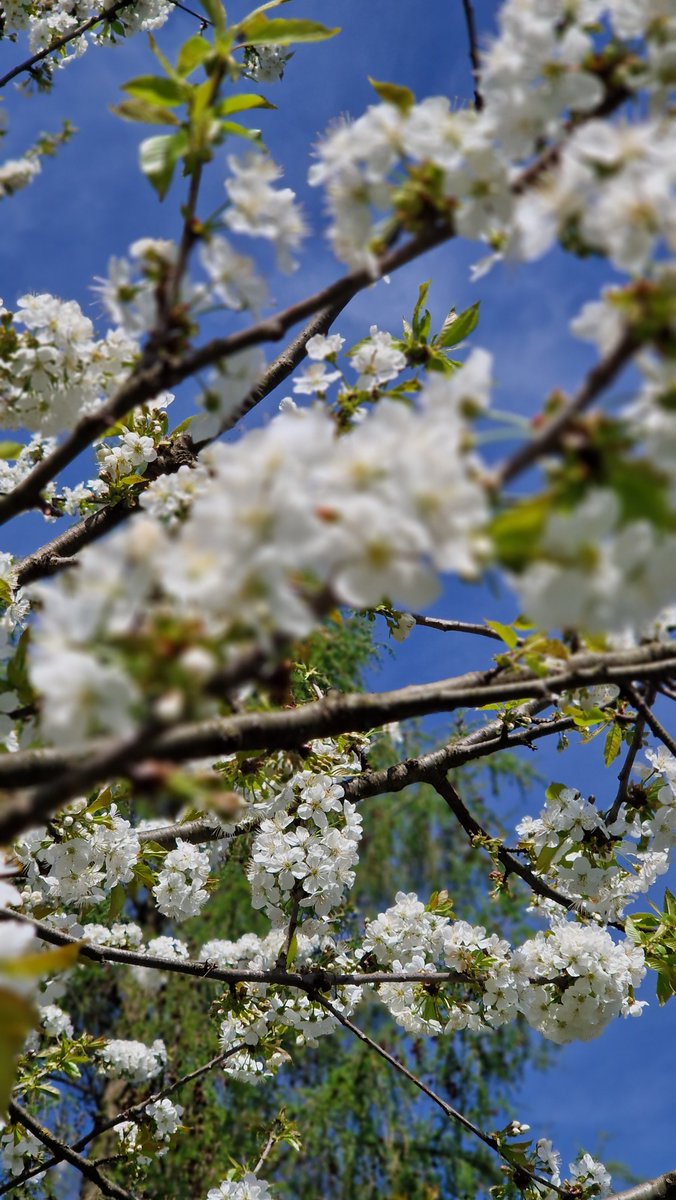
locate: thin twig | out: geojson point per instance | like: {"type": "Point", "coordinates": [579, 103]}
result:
{"type": "Point", "coordinates": [473, 53]}
{"type": "Point", "coordinates": [651, 720]}
{"type": "Point", "coordinates": [159, 369]}
{"type": "Point", "coordinates": [629, 760]}
{"type": "Point", "coordinates": [304, 980]}
{"type": "Point", "coordinates": [445, 1107]}
{"type": "Point", "coordinates": [511, 864]}
{"type": "Point", "coordinates": [455, 626]}
{"type": "Point", "coordinates": [549, 437]}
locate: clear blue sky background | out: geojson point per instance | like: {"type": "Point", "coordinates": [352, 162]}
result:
{"type": "Point", "coordinates": [91, 202]}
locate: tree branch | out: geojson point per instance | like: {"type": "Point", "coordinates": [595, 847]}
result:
{"type": "Point", "coordinates": [127, 1114]}
{"type": "Point", "coordinates": [651, 720]}
{"type": "Point", "coordinates": [159, 369]}
{"type": "Point", "coordinates": [54, 557]}
{"type": "Point", "coordinates": [106, 15]}
{"type": "Point", "coordinates": [446, 1108]}
{"type": "Point", "coordinates": [661, 1188]}
{"type": "Point", "coordinates": [630, 758]}
{"type": "Point", "coordinates": [511, 864]}
{"type": "Point", "coordinates": [456, 626]}
{"type": "Point", "coordinates": [473, 53]}
{"type": "Point", "coordinates": [306, 981]}
{"type": "Point", "coordinates": [344, 713]}
{"type": "Point", "coordinates": [84, 1166]}
{"type": "Point", "coordinates": [602, 374]}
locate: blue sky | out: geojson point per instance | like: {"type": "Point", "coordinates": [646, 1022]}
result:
{"type": "Point", "coordinates": [91, 202]}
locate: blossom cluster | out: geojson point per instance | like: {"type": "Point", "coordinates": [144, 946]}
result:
{"type": "Point", "coordinates": [247, 1188]}
{"type": "Point", "coordinates": [569, 981]}
{"type": "Point", "coordinates": [597, 571]}
{"type": "Point", "coordinates": [612, 186]}
{"type": "Point", "coordinates": [79, 867]}
{"type": "Point", "coordinates": [307, 850]}
{"type": "Point", "coordinates": [17, 173]}
{"type": "Point", "coordinates": [48, 20]}
{"type": "Point", "coordinates": [253, 1024]}
{"type": "Point", "coordinates": [604, 860]}
{"type": "Point", "coordinates": [180, 892]}
{"type": "Point", "coordinates": [375, 513]}
{"type": "Point", "coordinates": [57, 369]}
{"type": "Point", "coordinates": [132, 1060]}
{"type": "Point", "coordinates": [254, 208]}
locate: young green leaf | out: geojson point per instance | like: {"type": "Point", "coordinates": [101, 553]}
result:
{"type": "Point", "coordinates": [192, 54]}
{"type": "Point", "coordinates": [148, 114]}
{"type": "Point", "coordinates": [612, 745]}
{"type": "Point", "coordinates": [457, 330]}
{"type": "Point", "coordinates": [10, 450]}
{"type": "Point", "coordinates": [282, 32]}
{"type": "Point", "coordinates": [158, 157]}
{"type": "Point", "coordinates": [508, 635]}
{"type": "Point", "coordinates": [233, 104]}
{"type": "Point", "coordinates": [394, 93]}
{"type": "Point", "coordinates": [158, 90]}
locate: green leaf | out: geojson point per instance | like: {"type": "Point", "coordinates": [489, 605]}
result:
{"type": "Point", "coordinates": [279, 31]}
{"type": "Point", "coordinates": [32, 966]}
{"type": "Point", "coordinates": [158, 90]}
{"type": "Point", "coordinates": [142, 110]}
{"type": "Point", "coordinates": [158, 157]}
{"type": "Point", "coordinates": [215, 12]}
{"type": "Point", "coordinates": [642, 492]}
{"type": "Point", "coordinates": [17, 1018]}
{"type": "Point", "coordinates": [192, 54]}
{"type": "Point", "coordinates": [117, 898]}
{"type": "Point", "coordinates": [545, 859]}
{"type": "Point", "coordinates": [10, 450]}
{"type": "Point", "coordinates": [508, 635]}
{"type": "Point", "coordinates": [461, 327]}
{"type": "Point", "coordinates": [517, 531]}
{"type": "Point", "coordinates": [612, 745]}
{"type": "Point", "coordinates": [665, 989]}
{"type": "Point", "coordinates": [253, 135]}
{"type": "Point", "coordinates": [422, 297]}
{"type": "Point", "coordinates": [393, 93]}
{"type": "Point", "coordinates": [161, 58]}
{"type": "Point", "coordinates": [235, 104]}
{"type": "Point", "coordinates": [292, 952]}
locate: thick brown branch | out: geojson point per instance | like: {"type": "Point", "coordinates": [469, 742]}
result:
{"type": "Point", "coordinates": [350, 713]}
{"type": "Point", "coordinates": [661, 1188]}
